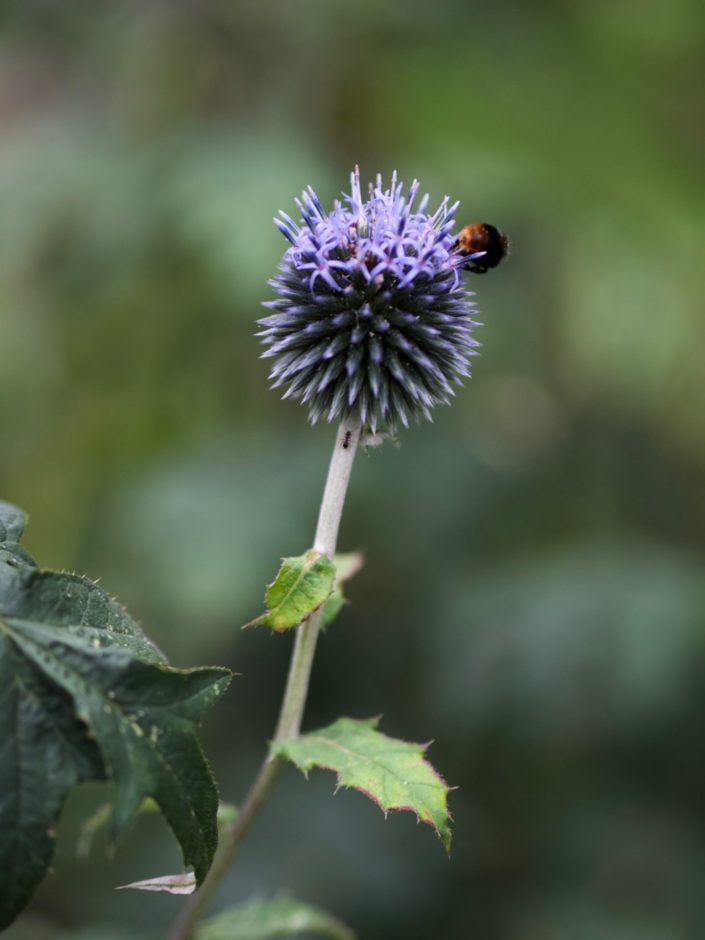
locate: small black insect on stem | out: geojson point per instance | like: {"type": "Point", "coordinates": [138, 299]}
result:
{"type": "Point", "coordinates": [346, 440]}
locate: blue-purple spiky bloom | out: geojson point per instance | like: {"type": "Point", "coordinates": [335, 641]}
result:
{"type": "Point", "coordinates": [371, 319]}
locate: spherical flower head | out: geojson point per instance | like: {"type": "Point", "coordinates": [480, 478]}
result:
{"type": "Point", "coordinates": [371, 320]}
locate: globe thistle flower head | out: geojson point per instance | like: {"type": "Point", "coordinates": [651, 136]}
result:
{"type": "Point", "coordinates": [371, 319]}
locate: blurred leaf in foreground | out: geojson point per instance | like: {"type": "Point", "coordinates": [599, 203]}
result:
{"type": "Point", "coordinates": [263, 919]}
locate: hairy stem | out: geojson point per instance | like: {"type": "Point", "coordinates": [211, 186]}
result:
{"type": "Point", "coordinates": [294, 701]}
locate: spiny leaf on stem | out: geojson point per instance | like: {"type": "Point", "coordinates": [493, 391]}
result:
{"type": "Point", "coordinates": [302, 585]}
{"type": "Point", "coordinates": [393, 773]}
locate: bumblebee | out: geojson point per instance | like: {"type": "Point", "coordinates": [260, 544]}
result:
{"type": "Point", "coordinates": [481, 236]}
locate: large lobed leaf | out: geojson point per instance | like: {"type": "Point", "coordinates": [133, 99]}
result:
{"type": "Point", "coordinates": [84, 694]}
{"type": "Point", "coordinates": [391, 772]}
{"type": "Point", "coordinates": [263, 919]}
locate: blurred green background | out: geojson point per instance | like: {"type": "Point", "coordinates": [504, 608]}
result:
{"type": "Point", "coordinates": [533, 598]}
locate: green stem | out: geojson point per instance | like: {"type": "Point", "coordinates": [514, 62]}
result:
{"type": "Point", "coordinates": [294, 701]}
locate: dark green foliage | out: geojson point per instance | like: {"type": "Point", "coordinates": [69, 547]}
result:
{"type": "Point", "coordinates": [85, 695]}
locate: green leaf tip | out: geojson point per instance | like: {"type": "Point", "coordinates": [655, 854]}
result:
{"type": "Point", "coordinates": [391, 772]}
{"type": "Point", "coordinates": [85, 695]}
{"type": "Point", "coordinates": [263, 919]}
{"type": "Point", "coordinates": [302, 585]}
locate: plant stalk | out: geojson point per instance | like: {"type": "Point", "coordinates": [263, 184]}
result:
{"type": "Point", "coordinates": [294, 701]}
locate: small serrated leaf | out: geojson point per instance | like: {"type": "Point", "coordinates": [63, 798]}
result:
{"type": "Point", "coordinates": [332, 606]}
{"type": "Point", "coordinates": [393, 773]}
{"type": "Point", "coordinates": [301, 586]}
{"type": "Point", "coordinates": [263, 919]}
